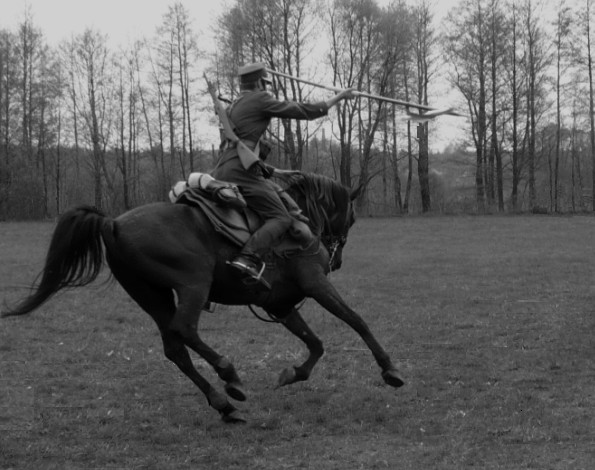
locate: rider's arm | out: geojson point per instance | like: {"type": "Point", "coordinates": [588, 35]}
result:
{"type": "Point", "coordinates": [342, 95]}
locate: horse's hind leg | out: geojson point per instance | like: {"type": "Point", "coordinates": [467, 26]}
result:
{"type": "Point", "coordinates": [185, 323]}
{"type": "Point", "coordinates": [176, 351]}
{"type": "Point", "coordinates": [295, 323]}
{"type": "Point", "coordinates": [160, 304]}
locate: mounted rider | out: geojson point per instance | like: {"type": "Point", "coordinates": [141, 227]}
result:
{"type": "Point", "coordinates": [241, 160]}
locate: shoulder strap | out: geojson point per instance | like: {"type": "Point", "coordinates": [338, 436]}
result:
{"type": "Point", "coordinates": [248, 157]}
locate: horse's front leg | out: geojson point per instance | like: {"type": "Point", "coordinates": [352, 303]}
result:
{"type": "Point", "coordinates": [295, 323]}
{"type": "Point", "coordinates": [320, 289]}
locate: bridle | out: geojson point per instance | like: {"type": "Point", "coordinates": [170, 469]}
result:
{"type": "Point", "coordinates": [333, 243]}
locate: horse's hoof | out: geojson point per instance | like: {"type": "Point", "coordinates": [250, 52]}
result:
{"type": "Point", "coordinates": [391, 377]}
{"type": "Point", "coordinates": [288, 376]}
{"type": "Point", "coordinates": [235, 391]}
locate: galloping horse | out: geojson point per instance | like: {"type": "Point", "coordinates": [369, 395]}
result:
{"type": "Point", "coordinates": [172, 262]}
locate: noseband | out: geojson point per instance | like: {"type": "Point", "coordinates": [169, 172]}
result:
{"type": "Point", "coordinates": [332, 244]}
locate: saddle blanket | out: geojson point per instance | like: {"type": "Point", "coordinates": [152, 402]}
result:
{"type": "Point", "coordinates": [238, 224]}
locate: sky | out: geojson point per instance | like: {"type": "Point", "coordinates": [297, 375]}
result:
{"type": "Point", "coordinates": [122, 20]}
{"type": "Point", "coordinates": [125, 21]}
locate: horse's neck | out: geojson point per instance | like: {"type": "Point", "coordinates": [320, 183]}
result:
{"type": "Point", "coordinates": [317, 213]}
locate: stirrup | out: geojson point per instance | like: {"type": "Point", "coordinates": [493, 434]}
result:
{"type": "Point", "coordinates": [254, 276]}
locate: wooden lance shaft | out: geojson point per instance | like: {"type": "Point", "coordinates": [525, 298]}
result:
{"type": "Point", "coordinates": [355, 92]}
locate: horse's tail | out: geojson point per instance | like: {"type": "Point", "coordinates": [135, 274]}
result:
{"type": "Point", "coordinates": [74, 258]}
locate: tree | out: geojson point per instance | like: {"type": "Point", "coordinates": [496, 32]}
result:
{"type": "Point", "coordinates": [536, 63]}
{"type": "Point", "coordinates": [562, 25]}
{"type": "Point", "coordinates": [92, 79]}
{"type": "Point", "coordinates": [8, 80]}
{"type": "Point", "coordinates": [127, 121]}
{"type": "Point", "coordinates": [286, 53]}
{"type": "Point", "coordinates": [48, 86]}
{"type": "Point", "coordinates": [29, 52]}
{"type": "Point", "coordinates": [346, 64]}
{"type": "Point", "coordinates": [425, 42]}
{"type": "Point", "coordinates": [584, 54]}
{"type": "Point", "coordinates": [397, 33]}
{"type": "Point", "coordinates": [186, 51]}
{"type": "Point", "coordinates": [497, 35]}
{"type": "Point", "coordinates": [364, 55]}
{"type": "Point", "coordinates": [467, 49]}
{"type": "Point", "coordinates": [511, 65]}
{"type": "Point", "coordinates": [171, 57]}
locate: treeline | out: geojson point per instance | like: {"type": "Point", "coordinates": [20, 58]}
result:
{"type": "Point", "coordinates": [81, 122]}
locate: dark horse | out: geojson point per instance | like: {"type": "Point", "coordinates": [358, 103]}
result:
{"type": "Point", "coordinates": [172, 262]}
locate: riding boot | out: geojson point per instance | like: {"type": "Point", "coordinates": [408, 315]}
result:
{"type": "Point", "coordinates": [261, 241]}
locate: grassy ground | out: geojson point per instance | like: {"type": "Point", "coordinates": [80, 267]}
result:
{"type": "Point", "coordinates": [490, 319]}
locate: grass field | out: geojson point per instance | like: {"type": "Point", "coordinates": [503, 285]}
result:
{"type": "Point", "coordinates": [490, 319]}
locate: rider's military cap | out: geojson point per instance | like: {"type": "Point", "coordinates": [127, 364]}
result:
{"type": "Point", "coordinates": [252, 72]}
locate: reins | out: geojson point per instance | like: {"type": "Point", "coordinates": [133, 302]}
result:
{"type": "Point", "coordinates": [273, 318]}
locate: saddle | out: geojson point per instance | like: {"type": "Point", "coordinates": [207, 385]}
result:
{"type": "Point", "coordinates": [236, 222]}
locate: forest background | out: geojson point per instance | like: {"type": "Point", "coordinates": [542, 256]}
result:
{"type": "Point", "coordinates": [86, 122]}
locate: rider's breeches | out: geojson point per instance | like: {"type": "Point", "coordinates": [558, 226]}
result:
{"type": "Point", "coordinates": [266, 202]}
{"type": "Point", "coordinates": [262, 198]}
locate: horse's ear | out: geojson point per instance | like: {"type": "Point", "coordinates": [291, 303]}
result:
{"type": "Point", "coordinates": [357, 192]}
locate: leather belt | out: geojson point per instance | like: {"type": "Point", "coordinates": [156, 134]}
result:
{"type": "Point", "coordinates": [230, 144]}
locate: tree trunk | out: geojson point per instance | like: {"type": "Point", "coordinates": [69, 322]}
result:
{"type": "Point", "coordinates": [591, 105]}
{"type": "Point", "coordinates": [423, 167]}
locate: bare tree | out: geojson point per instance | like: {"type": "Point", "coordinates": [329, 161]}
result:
{"type": "Point", "coordinates": [498, 34]}
{"type": "Point", "coordinates": [43, 131]}
{"type": "Point", "coordinates": [124, 94]}
{"type": "Point", "coordinates": [591, 93]}
{"type": "Point", "coordinates": [29, 51]}
{"type": "Point", "coordinates": [533, 34]}
{"type": "Point", "coordinates": [511, 60]}
{"type": "Point", "coordinates": [165, 72]}
{"type": "Point", "coordinates": [177, 20]}
{"type": "Point", "coordinates": [352, 25]}
{"type": "Point", "coordinates": [467, 48]}
{"type": "Point", "coordinates": [57, 113]}
{"type": "Point", "coordinates": [425, 43]}
{"type": "Point", "coordinates": [7, 98]}
{"type": "Point", "coordinates": [92, 81]}
{"type": "Point", "coordinates": [562, 25]}
{"type": "Point", "coordinates": [584, 55]}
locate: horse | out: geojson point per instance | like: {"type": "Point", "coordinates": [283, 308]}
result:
{"type": "Point", "coordinates": [172, 262]}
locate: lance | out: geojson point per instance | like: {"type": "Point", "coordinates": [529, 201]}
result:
{"type": "Point", "coordinates": [430, 114]}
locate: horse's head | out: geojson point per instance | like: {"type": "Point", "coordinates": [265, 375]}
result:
{"type": "Point", "coordinates": [329, 206]}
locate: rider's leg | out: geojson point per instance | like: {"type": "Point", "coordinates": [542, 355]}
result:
{"type": "Point", "coordinates": [264, 200]}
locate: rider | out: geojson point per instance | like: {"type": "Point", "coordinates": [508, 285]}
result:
{"type": "Point", "coordinates": [250, 115]}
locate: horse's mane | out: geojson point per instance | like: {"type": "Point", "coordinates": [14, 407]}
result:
{"type": "Point", "coordinates": [319, 197]}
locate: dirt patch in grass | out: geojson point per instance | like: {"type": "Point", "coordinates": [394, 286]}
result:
{"type": "Point", "coordinates": [490, 319]}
